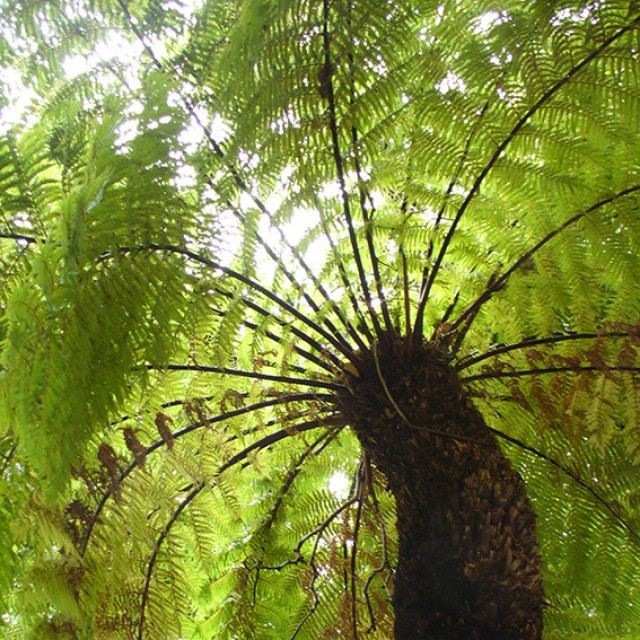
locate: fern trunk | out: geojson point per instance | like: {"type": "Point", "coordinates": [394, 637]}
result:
{"type": "Point", "coordinates": [468, 564]}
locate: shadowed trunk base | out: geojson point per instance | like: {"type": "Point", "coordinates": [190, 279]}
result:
{"type": "Point", "coordinates": [468, 565]}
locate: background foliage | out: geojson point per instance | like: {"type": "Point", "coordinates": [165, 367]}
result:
{"type": "Point", "coordinates": [205, 208]}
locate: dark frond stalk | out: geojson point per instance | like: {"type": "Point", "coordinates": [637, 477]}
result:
{"type": "Point", "coordinates": [493, 375]}
{"type": "Point", "coordinates": [294, 330]}
{"type": "Point", "coordinates": [384, 561]}
{"type": "Point", "coordinates": [427, 281]}
{"type": "Point", "coordinates": [405, 279]}
{"type": "Point", "coordinates": [165, 405]}
{"type": "Point", "coordinates": [247, 302]}
{"type": "Point", "coordinates": [307, 355]}
{"type": "Point", "coordinates": [281, 434]}
{"type": "Point", "coordinates": [446, 315]}
{"type": "Point", "coordinates": [242, 185]}
{"type": "Point", "coordinates": [365, 196]}
{"type": "Point", "coordinates": [405, 291]}
{"type": "Point", "coordinates": [458, 334]}
{"type": "Point", "coordinates": [574, 476]}
{"type": "Point", "coordinates": [346, 283]}
{"type": "Point", "coordinates": [192, 255]}
{"type": "Point", "coordinates": [314, 449]}
{"type": "Point", "coordinates": [292, 279]}
{"type": "Point", "coordinates": [544, 98]}
{"type": "Point", "coordinates": [362, 487]}
{"type": "Point", "coordinates": [536, 342]}
{"type": "Point", "coordinates": [254, 375]}
{"type": "Point", "coordinates": [193, 494]}
{"type": "Point", "coordinates": [496, 284]}
{"type": "Point", "coordinates": [263, 443]}
{"type": "Point", "coordinates": [318, 532]}
{"type": "Point", "coordinates": [344, 320]}
{"type": "Point", "coordinates": [138, 34]}
{"type": "Point", "coordinates": [17, 236]}
{"type": "Point", "coordinates": [267, 247]}
{"type": "Point", "coordinates": [316, 283]}
{"type": "Point", "coordinates": [179, 433]}
{"type": "Point", "coordinates": [337, 158]}
{"type": "Point", "coordinates": [310, 301]}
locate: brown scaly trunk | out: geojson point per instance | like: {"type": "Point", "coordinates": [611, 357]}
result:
{"type": "Point", "coordinates": [468, 565]}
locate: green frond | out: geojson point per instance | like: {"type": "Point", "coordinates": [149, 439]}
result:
{"type": "Point", "coordinates": [210, 210]}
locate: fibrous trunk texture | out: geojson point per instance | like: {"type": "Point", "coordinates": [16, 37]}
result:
{"type": "Point", "coordinates": [468, 564]}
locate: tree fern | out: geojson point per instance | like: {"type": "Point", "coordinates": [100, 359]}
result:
{"type": "Point", "coordinates": [307, 309]}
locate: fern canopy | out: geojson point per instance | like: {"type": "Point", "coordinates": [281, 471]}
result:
{"type": "Point", "coordinates": [209, 210]}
